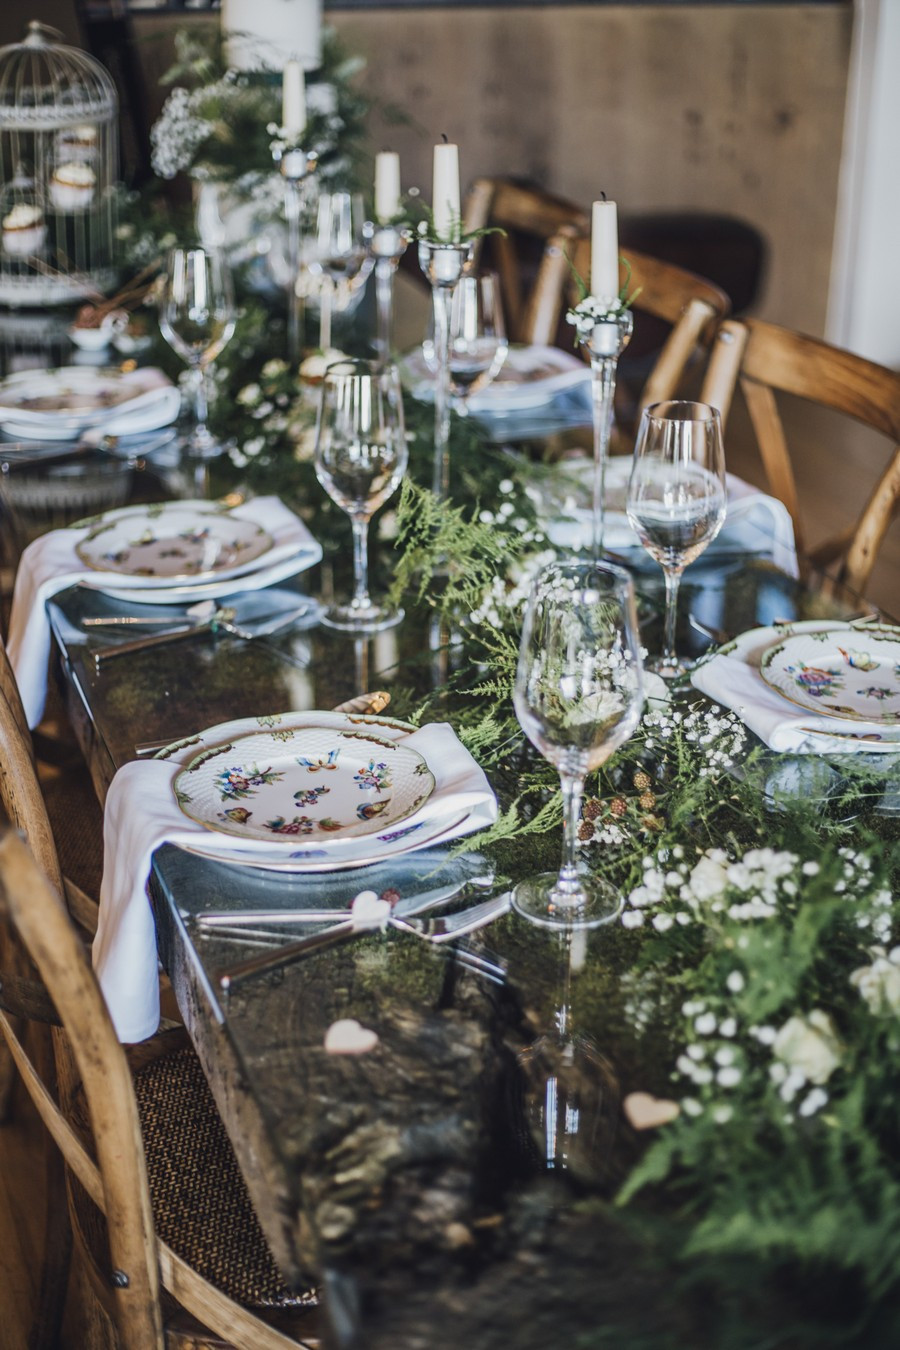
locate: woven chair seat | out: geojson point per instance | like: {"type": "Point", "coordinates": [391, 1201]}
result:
{"type": "Point", "coordinates": [200, 1203]}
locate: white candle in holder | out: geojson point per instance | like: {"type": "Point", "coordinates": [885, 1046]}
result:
{"type": "Point", "coordinates": [387, 186]}
{"type": "Point", "coordinates": [445, 193]}
{"type": "Point", "coordinates": [604, 252]}
{"type": "Point", "coordinates": [293, 100]}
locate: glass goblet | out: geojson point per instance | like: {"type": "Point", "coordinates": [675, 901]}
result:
{"type": "Point", "coordinates": [578, 696]}
{"type": "Point", "coordinates": [677, 498]}
{"type": "Point", "coordinates": [197, 319]}
{"type": "Point", "coordinates": [361, 456]}
{"type": "Point", "coordinates": [340, 251]}
{"type": "Point", "coordinates": [478, 345]}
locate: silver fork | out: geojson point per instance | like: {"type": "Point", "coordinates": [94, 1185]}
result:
{"type": "Point", "coordinates": [448, 927]}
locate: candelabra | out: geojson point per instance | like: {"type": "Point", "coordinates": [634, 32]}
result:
{"type": "Point", "coordinates": [604, 343]}
{"type": "Point", "coordinates": [388, 245]}
{"type": "Point", "coordinates": [296, 167]}
{"type": "Point", "coordinates": [443, 265]}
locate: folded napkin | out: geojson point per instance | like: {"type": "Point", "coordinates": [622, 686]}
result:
{"type": "Point", "coordinates": [732, 678]}
{"type": "Point", "coordinates": [756, 523]}
{"type": "Point", "coordinates": [141, 814]}
{"type": "Point", "coordinates": [50, 564]}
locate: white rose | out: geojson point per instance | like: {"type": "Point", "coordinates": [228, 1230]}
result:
{"type": "Point", "coordinates": [809, 1045]}
{"type": "Point", "coordinates": [879, 983]}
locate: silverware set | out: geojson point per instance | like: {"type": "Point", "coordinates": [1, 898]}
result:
{"type": "Point", "coordinates": [406, 917]}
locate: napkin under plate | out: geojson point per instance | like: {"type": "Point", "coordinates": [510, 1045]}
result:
{"type": "Point", "coordinates": [732, 678]}
{"type": "Point", "coordinates": [142, 814]}
{"type": "Point", "coordinates": [51, 564]}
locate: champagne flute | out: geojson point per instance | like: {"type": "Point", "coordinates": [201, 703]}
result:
{"type": "Point", "coordinates": [341, 250]}
{"type": "Point", "coordinates": [197, 319]}
{"type": "Point", "coordinates": [677, 498]}
{"type": "Point", "coordinates": [361, 456]}
{"type": "Point", "coordinates": [578, 696]}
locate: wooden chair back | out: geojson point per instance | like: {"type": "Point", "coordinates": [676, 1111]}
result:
{"type": "Point", "coordinates": [529, 217]}
{"type": "Point", "coordinates": [690, 304]}
{"type": "Point", "coordinates": [111, 1168]}
{"type": "Point", "coordinates": [765, 360]}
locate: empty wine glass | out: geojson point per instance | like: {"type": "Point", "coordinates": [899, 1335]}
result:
{"type": "Point", "coordinates": [478, 345]}
{"type": "Point", "coordinates": [677, 498]}
{"type": "Point", "coordinates": [340, 250]}
{"type": "Point", "coordinates": [361, 456]}
{"type": "Point", "coordinates": [477, 337]}
{"type": "Point", "coordinates": [197, 319]}
{"type": "Point", "coordinates": [578, 696]}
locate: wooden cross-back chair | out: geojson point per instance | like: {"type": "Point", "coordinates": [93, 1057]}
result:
{"type": "Point", "coordinates": [144, 1148]}
{"type": "Point", "coordinates": [528, 216]}
{"type": "Point", "coordinates": [766, 359]}
{"type": "Point", "coordinates": [689, 303]}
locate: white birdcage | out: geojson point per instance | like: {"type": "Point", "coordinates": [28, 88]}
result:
{"type": "Point", "coordinates": [58, 172]}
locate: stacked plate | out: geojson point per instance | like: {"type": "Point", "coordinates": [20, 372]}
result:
{"type": "Point", "coordinates": [181, 552]}
{"type": "Point", "coordinates": [813, 686]}
{"type": "Point", "coordinates": [62, 405]}
{"type": "Point", "coordinates": [323, 791]}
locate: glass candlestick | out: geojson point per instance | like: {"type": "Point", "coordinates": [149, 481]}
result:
{"type": "Point", "coordinates": [604, 343]}
{"type": "Point", "coordinates": [388, 245]}
{"type": "Point", "coordinates": [297, 167]}
{"type": "Point", "coordinates": [443, 265]}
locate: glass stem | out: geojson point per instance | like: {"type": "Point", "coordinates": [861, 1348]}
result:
{"type": "Point", "coordinates": [673, 581]}
{"type": "Point", "coordinates": [361, 562]}
{"type": "Point", "coordinates": [440, 485]}
{"type": "Point", "coordinates": [568, 886]}
{"type": "Point", "coordinates": [325, 315]}
{"type": "Point", "coordinates": [201, 404]}
{"type": "Point", "coordinates": [603, 389]}
{"type": "Point", "coordinates": [384, 294]}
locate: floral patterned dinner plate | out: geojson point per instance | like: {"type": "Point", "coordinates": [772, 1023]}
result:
{"type": "Point", "coordinates": [171, 542]}
{"type": "Point", "coordinates": [311, 788]}
{"type": "Point", "coordinates": [851, 673]}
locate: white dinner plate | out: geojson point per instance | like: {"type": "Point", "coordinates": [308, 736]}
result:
{"type": "Point", "coordinates": [848, 673]}
{"type": "Point", "coordinates": [172, 542]}
{"type": "Point", "coordinates": [308, 788]}
{"type": "Point", "coordinates": [63, 404]}
{"type": "Point", "coordinates": [362, 852]}
{"type": "Point", "coordinates": [529, 378]}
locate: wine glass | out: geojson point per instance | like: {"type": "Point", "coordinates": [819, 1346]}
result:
{"type": "Point", "coordinates": [677, 498]}
{"type": "Point", "coordinates": [361, 456]}
{"type": "Point", "coordinates": [578, 696]}
{"type": "Point", "coordinates": [478, 345]}
{"type": "Point", "coordinates": [477, 337]}
{"type": "Point", "coordinates": [340, 250]}
{"type": "Point", "coordinates": [197, 319]}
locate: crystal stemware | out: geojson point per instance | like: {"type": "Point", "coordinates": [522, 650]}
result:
{"type": "Point", "coordinates": [197, 319]}
{"type": "Point", "coordinates": [677, 498]}
{"type": "Point", "coordinates": [478, 345]}
{"type": "Point", "coordinates": [578, 696]}
{"type": "Point", "coordinates": [340, 250]}
{"type": "Point", "coordinates": [361, 456]}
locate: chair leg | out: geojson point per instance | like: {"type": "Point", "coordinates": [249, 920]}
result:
{"type": "Point", "coordinates": [45, 1331]}
{"type": "Point", "coordinates": [8, 1075]}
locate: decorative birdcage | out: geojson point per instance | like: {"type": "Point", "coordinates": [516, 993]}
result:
{"type": "Point", "coordinates": [58, 172]}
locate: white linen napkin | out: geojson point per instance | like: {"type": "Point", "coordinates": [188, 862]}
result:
{"type": "Point", "coordinates": [155, 402]}
{"type": "Point", "coordinates": [733, 679]}
{"type": "Point", "coordinates": [141, 814]}
{"type": "Point", "coordinates": [50, 564]}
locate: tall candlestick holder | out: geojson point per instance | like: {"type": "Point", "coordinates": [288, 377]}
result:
{"type": "Point", "coordinates": [604, 342]}
{"type": "Point", "coordinates": [388, 245]}
{"type": "Point", "coordinates": [297, 168]}
{"type": "Point", "coordinates": [443, 265]}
